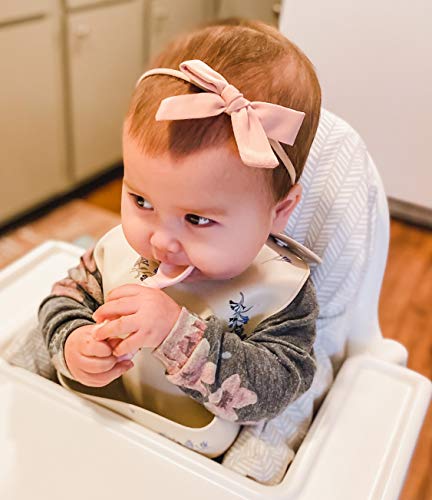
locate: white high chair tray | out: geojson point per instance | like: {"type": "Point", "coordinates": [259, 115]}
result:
{"type": "Point", "coordinates": [55, 444]}
{"type": "Point", "coordinates": [24, 283]}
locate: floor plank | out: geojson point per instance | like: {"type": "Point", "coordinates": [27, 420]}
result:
{"type": "Point", "coordinates": [66, 223]}
{"type": "Point", "coordinates": [107, 197]}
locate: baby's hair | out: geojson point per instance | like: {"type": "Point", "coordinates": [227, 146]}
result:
{"type": "Point", "coordinates": [254, 57]}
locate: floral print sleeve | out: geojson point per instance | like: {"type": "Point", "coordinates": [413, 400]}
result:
{"type": "Point", "coordinates": [245, 380]}
{"type": "Point", "coordinates": [70, 305]}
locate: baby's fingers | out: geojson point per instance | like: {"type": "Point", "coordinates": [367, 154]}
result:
{"type": "Point", "coordinates": [121, 327]}
{"type": "Point", "coordinates": [102, 379]}
{"type": "Point", "coordinates": [130, 345]}
{"type": "Point", "coordinates": [124, 291]}
{"type": "Point", "coordinates": [114, 309]}
{"type": "Point", "coordinates": [113, 342]}
{"type": "Point", "coordinates": [97, 365]}
{"type": "Point", "coordinates": [98, 348]}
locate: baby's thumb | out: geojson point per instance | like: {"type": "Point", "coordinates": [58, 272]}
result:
{"type": "Point", "coordinates": [113, 342]}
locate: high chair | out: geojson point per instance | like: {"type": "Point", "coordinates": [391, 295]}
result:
{"type": "Point", "coordinates": [55, 444]}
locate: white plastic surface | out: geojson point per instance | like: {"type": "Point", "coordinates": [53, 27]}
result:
{"type": "Point", "coordinates": [358, 447]}
{"type": "Point", "coordinates": [54, 444]}
{"type": "Point", "coordinates": [360, 443]}
{"type": "Point", "coordinates": [27, 281]}
{"type": "Point", "coordinates": [211, 439]}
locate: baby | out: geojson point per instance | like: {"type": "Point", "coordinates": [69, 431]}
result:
{"type": "Point", "coordinates": [206, 183]}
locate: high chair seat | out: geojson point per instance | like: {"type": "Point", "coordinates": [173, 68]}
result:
{"type": "Point", "coordinates": [343, 217]}
{"type": "Point", "coordinates": [361, 440]}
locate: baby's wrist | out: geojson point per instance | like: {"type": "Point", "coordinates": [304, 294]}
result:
{"type": "Point", "coordinates": [171, 320]}
{"type": "Point", "coordinates": [168, 318]}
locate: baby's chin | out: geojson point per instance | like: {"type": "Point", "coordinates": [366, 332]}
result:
{"type": "Point", "coordinates": [195, 276]}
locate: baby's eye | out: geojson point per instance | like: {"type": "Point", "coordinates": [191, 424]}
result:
{"type": "Point", "coordinates": [142, 202]}
{"type": "Point", "coordinates": [198, 220]}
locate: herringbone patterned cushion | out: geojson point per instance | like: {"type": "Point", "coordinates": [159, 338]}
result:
{"type": "Point", "coordinates": [335, 218]}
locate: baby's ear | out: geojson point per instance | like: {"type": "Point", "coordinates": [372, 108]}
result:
{"type": "Point", "coordinates": [284, 208]}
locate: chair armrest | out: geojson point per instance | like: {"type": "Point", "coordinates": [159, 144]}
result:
{"type": "Point", "coordinates": [362, 439]}
{"type": "Point", "coordinates": [388, 350]}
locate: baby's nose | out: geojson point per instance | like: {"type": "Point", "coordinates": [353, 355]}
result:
{"type": "Point", "coordinates": [165, 243]}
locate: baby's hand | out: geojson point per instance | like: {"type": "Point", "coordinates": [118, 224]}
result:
{"type": "Point", "coordinates": [91, 361]}
{"type": "Point", "coordinates": [141, 315]}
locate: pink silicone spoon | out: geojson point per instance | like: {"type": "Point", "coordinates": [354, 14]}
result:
{"type": "Point", "coordinates": [166, 275]}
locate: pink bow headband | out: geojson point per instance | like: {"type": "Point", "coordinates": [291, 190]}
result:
{"type": "Point", "coordinates": [258, 126]}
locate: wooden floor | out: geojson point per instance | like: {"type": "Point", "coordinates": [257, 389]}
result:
{"type": "Point", "coordinates": [405, 305]}
{"type": "Point", "coordinates": [405, 315]}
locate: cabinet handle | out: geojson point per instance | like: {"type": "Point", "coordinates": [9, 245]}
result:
{"type": "Point", "coordinates": [277, 9]}
{"type": "Point", "coordinates": [82, 31]}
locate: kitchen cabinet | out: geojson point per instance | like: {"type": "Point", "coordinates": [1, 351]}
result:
{"type": "Point", "coordinates": [168, 19]}
{"type": "Point", "coordinates": [23, 10]}
{"type": "Point", "coordinates": [32, 127]}
{"type": "Point", "coordinates": [67, 72]}
{"type": "Point", "coordinates": [264, 10]}
{"type": "Point", "coordinates": [105, 56]}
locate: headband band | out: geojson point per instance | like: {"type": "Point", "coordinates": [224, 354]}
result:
{"type": "Point", "coordinates": [258, 126]}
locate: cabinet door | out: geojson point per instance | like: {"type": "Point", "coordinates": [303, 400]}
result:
{"type": "Point", "coordinates": [105, 58]}
{"type": "Point", "coordinates": [13, 10]}
{"type": "Point", "coordinates": [264, 10]}
{"type": "Point", "coordinates": [168, 18]}
{"type": "Point", "coordinates": [32, 137]}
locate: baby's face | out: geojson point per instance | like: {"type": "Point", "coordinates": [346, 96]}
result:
{"type": "Point", "coordinates": [206, 209]}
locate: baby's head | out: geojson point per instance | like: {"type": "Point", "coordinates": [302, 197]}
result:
{"type": "Point", "coordinates": [188, 198]}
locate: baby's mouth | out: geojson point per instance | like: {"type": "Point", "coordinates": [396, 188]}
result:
{"type": "Point", "coordinates": [171, 270]}
{"type": "Point", "coordinates": [195, 275]}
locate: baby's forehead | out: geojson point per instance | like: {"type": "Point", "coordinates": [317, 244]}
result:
{"type": "Point", "coordinates": [215, 175]}
{"type": "Point", "coordinates": [223, 173]}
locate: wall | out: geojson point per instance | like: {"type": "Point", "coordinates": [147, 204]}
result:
{"type": "Point", "coordinates": [375, 66]}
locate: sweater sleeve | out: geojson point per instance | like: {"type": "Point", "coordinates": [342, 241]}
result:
{"type": "Point", "coordinates": [246, 380]}
{"type": "Point", "coordinates": [70, 305]}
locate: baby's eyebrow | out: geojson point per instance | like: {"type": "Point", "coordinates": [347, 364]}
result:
{"type": "Point", "coordinates": [204, 210]}
{"type": "Point", "coordinates": [129, 186]}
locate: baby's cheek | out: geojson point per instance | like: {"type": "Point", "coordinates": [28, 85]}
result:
{"type": "Point", "coordinates": [138, 240]}
{"type": "Point", "coordinates": [219, 263]}
{"type": "Point", "coordinates": [206, 258]}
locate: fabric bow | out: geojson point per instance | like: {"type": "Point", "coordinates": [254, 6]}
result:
{"type": "Point", "coordinates": [254, 123]}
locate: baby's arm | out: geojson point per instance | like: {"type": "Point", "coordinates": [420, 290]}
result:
{"type": "Point", "coordinates": [68, 309]}
{"type": "Point", "coordinates": [245, 380]}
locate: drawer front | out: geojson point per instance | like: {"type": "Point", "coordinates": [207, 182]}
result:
{"type": "Point", "coordinates": [16, 10]}
{"type": "Point", "coordinates": [76, 4]}
{"type": "Point", "coordinates": [31, 116]}
{"type": "Point", "coordinates": [105, 48]}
